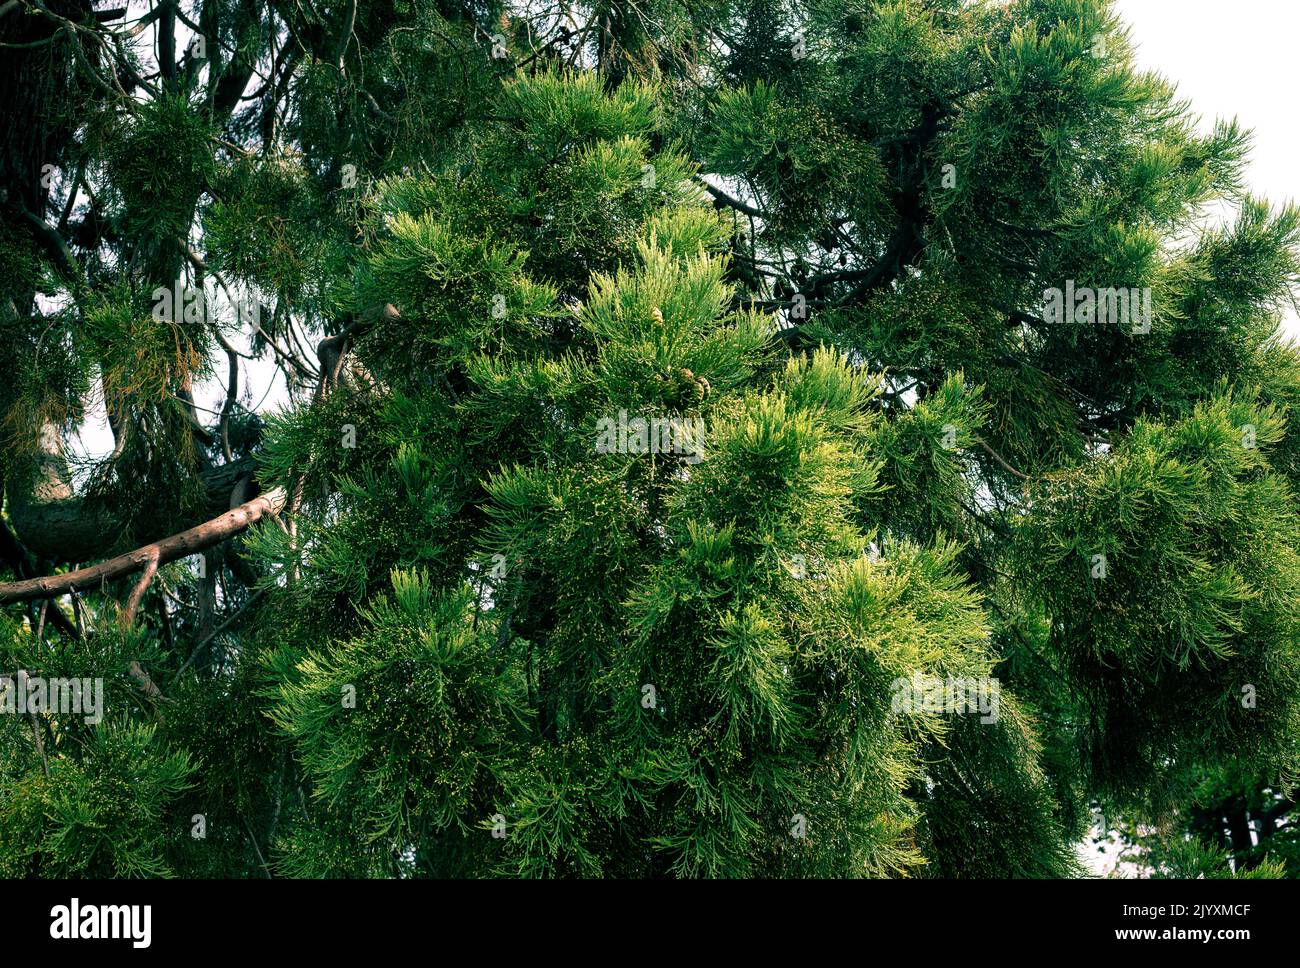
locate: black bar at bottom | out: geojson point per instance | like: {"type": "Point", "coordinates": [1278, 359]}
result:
{"type": "Point", "coordinates": [334, 918]}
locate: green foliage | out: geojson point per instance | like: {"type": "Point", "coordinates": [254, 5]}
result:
{"type": "Point", "coordinates": [110, 812]}
{"type": "Point", "coordinates": [402, 731]}
{"type": "Point", "coordinates": [1192, 859]}
{"type": "Point", "coordinates": [265, 228]}
{"type": "Point", "coordinates": [1190, 608]}
{"type": "Point", "coordinates": [157, 164]}
{"type": "Point", "coordinates": [697, 403]}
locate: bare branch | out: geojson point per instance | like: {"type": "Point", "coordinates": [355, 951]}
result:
{"type": "Point", "coordinates": [160, 553]}
{"type": "Point", "coordinates": [137, 593]}
{"type": "Point", "coordinates": [730, 201]}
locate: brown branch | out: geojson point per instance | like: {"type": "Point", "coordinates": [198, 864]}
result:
{"type": "Point", "coordinates": [1005, 466]}
{"type": "Point", "coordinates": [232, 394]}
{"type": "Point", "coordinates": [907, 242]}
{"type": "Point", "coordinates": [160, 553]}
{"type": "Point", "coordinates": [147, 685]}
{"type": "Point", "coordinates": [148, 18]}
{"type": "Point", "coordinates": [349, 24]}
{"type": "Point", "coordinates": [141, 586]}
{"type": "Point", "coordinates": [55, 245]}
{"type": "Point", "coordinates": [729, 200]}
{"type": "Point", "coordinates": [37, 739]}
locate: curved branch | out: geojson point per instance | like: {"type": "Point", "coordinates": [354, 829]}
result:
{"type": "Point", "coordinates": [1005, 466]}
{"type": "Point", "coordinates": [137, 593]}
{"type": "Point", "coordinates": [159, 553]}
{"type": "Point", "coordinates": [729, 200]}
{"type": "Point", "coordinates": [55, 245]}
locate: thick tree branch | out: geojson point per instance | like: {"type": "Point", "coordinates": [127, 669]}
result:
{"type": "Point", "coordinates": [56, 246]}
{"type": "Point", "coordinates": [141, 586]}
{"type": "Point", "coordinates": [729, 200]}
{"type": "Point", "coordinates": [63, 528]}
{"type": "Point", "coordinates": [159, 553]}
{"type": "Point", "coordinates": [907, 241]}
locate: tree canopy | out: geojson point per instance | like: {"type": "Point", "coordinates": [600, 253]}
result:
{"type": "Point", "coordinates": [771, 438]}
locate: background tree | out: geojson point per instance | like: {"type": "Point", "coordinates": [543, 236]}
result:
{"type": "Point", "coordinates": [415, 620]}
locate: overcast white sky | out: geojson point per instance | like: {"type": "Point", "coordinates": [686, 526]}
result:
{"type": "Point", "coordinates": [1232, 58]}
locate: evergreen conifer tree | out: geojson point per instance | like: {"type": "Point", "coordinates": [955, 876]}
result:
{"type": "Point", "coordinates": [781, 438]}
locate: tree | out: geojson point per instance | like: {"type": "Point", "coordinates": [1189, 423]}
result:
{"type": "Point", "coordinates": [718, 439]}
